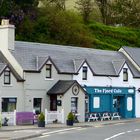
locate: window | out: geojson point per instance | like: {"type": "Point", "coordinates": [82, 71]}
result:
{"type": "Point", "coordinates": [125, 74]}
{"type": "Point", "coordinates": [129, 104]}
{"type": "Point", "coordinates": [84, 76]}
{"type": "Point", "coordinates": [48, 70]}
{"type": "Point", "coordinates": [9, 104]}
{"type": "Point", "coordinates": [7, 77]}
{"type": "Point", "coordinates": [74, 104]}
{"type": "Point", "coordinates": [37, 105]}
{"type": "Point", "coordinates": [96, 102]}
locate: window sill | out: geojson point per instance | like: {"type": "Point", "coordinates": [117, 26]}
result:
{"type": "Point", "coordinates": [6, 85]}
{"type": "Point", "coordinates": [48, 79]}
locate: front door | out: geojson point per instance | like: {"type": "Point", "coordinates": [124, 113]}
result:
{"type": "Point", "coordinates": [119, 105]}
{"type": "Point", "coordinates": [53, 103]}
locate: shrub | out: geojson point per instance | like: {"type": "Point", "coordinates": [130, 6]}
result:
{"type": "Point", "coordinates": [41, 117]}
{"type": "Point", "coordinates": [70, 116]}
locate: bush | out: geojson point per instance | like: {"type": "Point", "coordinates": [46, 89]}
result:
{"type": "Point", "coordinates": [41, 117]}
{"type": "Point", "coordinates": [70, 116]}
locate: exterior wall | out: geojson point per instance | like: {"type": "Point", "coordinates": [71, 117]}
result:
{"type": "Point", "coordinates": [36, 86]}
{"type": "Point", "coordinates": [104, 80]}
{"type": "Point", "coordinates": [112, 99]}
{"type": "Point", "coordinates": [66, 104]}
{"type": "Point", "coordinates": [15, 90]}
{"type": "Point", "coordinates": [107, 81]}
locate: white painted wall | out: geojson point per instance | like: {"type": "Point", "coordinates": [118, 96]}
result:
{"type": "Point", "coordinates": [113, 81]}
{"type": "Point", "coordinates": [66, 104]}
{"type": "Point", "coordinates": [36, 86]}
{"type": "Point", "coordinates": [15, 90]}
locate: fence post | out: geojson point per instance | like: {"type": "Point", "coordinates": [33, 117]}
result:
{"type": "Point", "coordinates": [14, 117]}
{"type": "Point", "coordinates": [0, 119]}
{"type": "Point", "coordinates": [46, 112]}
{"type": "Point", "coordinates": [62, 112]}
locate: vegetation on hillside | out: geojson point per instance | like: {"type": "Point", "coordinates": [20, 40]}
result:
{"type": "Point", "coordinates": [53, 23]}
{"type": "Point", "coordinates": [109, 37]}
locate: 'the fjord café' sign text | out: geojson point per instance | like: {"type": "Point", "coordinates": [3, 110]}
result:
{"type": "Point", "coordinates": [113, 90]}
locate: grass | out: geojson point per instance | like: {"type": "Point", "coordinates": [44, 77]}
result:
{"type": "Point", "coordinates": [112, 38]}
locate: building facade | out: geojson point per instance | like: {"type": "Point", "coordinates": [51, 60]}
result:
{"type": "Point", "coordinates": [37, 76]}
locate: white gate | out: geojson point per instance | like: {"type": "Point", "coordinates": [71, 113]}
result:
{"type": "Point", "coordinates": [54, 116]}
{"type": "Point", "coordinates": [11, 116]}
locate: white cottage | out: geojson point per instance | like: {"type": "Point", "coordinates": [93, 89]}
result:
{"type": "Point", "coordinates": [29, 71]}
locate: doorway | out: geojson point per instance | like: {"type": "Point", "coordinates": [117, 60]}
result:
{"type": "Point", "coordinates": [119, 105]}
{"type": "Point", "coordinates": [53, 103]}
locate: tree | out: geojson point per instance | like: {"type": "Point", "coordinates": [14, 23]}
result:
{"type": "Point", "coordinates": [103, 6]}
{"type": "Point", "coordinates": [85, 7]}
{"type": "Point", "coordinates": [59, 4]}
{"type": "Point", "coordinates": [126, 12]}
{"type": "Point", "coordinates": [16, 10]}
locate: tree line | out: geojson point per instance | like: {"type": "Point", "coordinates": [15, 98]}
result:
{"type": "Point", "coordinates": [53, 23]}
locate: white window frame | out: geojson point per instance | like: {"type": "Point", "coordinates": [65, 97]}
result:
{"type": "Point", "coordinates": [96, 102]}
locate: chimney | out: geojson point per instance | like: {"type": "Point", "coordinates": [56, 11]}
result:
{"type": "Point", "coordinates": [7, 35]}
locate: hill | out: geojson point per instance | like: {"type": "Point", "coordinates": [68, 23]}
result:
{"type": "Point", "coordinates": [112, 38]}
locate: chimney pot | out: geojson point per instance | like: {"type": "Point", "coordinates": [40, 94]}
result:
{"type": "Point", "coordinates": [5, 22]}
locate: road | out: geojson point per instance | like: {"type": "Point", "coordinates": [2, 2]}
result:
{"type": "Point", "coordinates": [119, 131]}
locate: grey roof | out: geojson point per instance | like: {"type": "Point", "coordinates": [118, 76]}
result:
{"type": "Point", "coordinates": [5, 63]}
{"type": "Point", "coordinates": [135, 72]}
{"type": "Point", "coordinates": [134, 53]}
{"type": "Point", "coordinates": [67, 59]}
{"type": "Point", "coordinates": [61, 87]}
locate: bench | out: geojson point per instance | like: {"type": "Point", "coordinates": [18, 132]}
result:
{"type": "Point", "coordinates": [105, 115]}
{"type": "Point", "coordinates": [25, 118]}
{"type": "Point", "coordinates": [93, 116]}
{"type": "Point", "coordinates": [115, 115]}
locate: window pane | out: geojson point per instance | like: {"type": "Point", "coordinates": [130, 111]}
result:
{"type": "Point", "coordinates": [96, 102]}
{"type": "Point", "coordinates": [125, 74]}
{"type": "Point", "coordinates": [48, 71]}
{"type": "Point", "coordinates": [74, 104]}
{"type": "Point", "coordinates": [37, 105]}
{"type": "Point", "coordinates": [84, 75]}
{"type": "Point", "coordinates": [129, 104]}
{"type": "Point", "coordinates": [8, 104]}
{"type": "Point", "coordinates": [6, 77]}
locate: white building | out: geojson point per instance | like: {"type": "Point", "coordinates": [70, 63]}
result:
{"type": "Point", "coordinates": [38, 76]}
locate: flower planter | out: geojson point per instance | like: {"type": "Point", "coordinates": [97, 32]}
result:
{"type": "Point", "coordinates": [70, 122]}
{"type": "Point", "coordinates": [41, 123]}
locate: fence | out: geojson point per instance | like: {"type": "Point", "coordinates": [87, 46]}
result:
{"type": "Point", "coordinates": [50, 117]}
{"type": "Point", "coordinates": [54, 116]}
{"type": "Point", "coordinates": [11, 116]}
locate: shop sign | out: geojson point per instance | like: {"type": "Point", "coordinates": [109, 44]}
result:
{"type": "Point", "coordinates": [112, 90]}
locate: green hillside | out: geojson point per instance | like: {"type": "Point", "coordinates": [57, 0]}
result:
{"type": "Point", "coordinates": [112, 38]}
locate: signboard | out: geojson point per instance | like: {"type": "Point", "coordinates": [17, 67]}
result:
{"type": "Point", "coordinates": [110, 90]}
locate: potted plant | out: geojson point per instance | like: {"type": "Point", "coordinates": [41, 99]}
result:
{"type": "Point", "coordinates": [70, 119]}
{"type": "Point", "coordinates": [41, 120]}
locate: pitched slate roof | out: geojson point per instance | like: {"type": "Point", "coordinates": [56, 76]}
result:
{"type": "Point", "coordinates": [4, 63]}
{"type": "Point", "coordinates": [62, 86]}
{"type": "Point", "coordinates": [134, 53]}
{"type": "Point", "coordinates": [67, 58]}
{"type": "Point", "coordinates": [135, 72]}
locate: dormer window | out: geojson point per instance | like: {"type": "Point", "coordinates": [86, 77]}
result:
{"type": "Point", "coordinates": [125, 74]}
{"type": "Point", "coordinates": [84, 75]}
{"type": "Point", "coordinates": [48, 71]}
{"type": "Point", "coordinates": [7, 77]}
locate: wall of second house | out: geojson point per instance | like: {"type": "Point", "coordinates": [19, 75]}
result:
{"type": "Point", "coordinates": [36, 86]}
{"type": "Point", "coordinates": [112, 81]}
{"type": "Point", "coordinates": [14, 90]}
{"type": "Point", "coordinates": [93, 80]}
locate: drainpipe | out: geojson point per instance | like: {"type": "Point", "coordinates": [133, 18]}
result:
{"type": "Point", "coordinates": [110, 80]}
